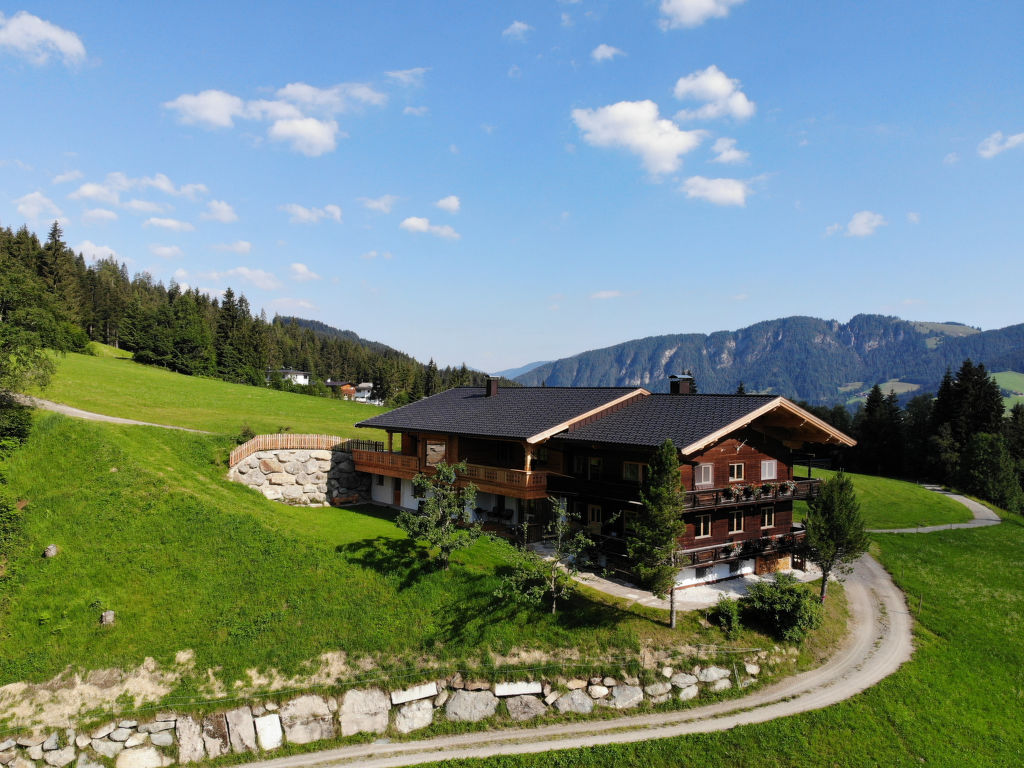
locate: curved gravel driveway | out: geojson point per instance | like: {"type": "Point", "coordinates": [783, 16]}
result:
{"type": "Point", "coordinates": [78, 413]}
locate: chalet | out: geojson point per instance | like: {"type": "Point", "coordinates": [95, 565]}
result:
{"type": "Point", "coordinates": [364, 392]}
{"type": "Point", "coordinates": [346, 390]}
{"type": "Point", "coordinates": [290, 374]}
{"type": "Point", "coordinates": [589, 447]}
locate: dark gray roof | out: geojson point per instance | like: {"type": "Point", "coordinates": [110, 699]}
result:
{"type": "Point", "coordinates": [684, 418]}
{"type": "Point", "coordinates": [515, 412]}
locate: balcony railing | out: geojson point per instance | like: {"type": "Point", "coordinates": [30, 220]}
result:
{"type": "Point", "coordinates": [485, 477]}
{"type": "Point", "coordinates": [385, 460]}
{"type": "Point", "coordinates": [716, 553]}
{"type": "Point", "coordinates": [712, 498]}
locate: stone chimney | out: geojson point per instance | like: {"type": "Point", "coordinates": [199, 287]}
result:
{"type": "Point", "coordinates": [680, 385]}
{"type": "Point", "coordinates": [492, 386]}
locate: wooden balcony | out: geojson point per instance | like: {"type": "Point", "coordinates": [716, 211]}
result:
{"type": "Point", "coordinates": [781, 543]}
{"type": "Point", "coordinates": [506, 482]}
{"type": "Point", "coordinates": [714, 498]}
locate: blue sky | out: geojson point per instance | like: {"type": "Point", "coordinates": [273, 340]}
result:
{"type": "Point", "coordinates": [503, 182]}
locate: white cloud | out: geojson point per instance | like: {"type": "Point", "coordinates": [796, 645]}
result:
{"type": "Point", "coordinates": [997, 143]}
{"type": "Point", "coordinates": [718, 191]}
{"type": "Point", "coordinates": [726, 152]}
{"type": "Point", "coordinates": [300, 214]}
{"type": "Point", "coordinates": [301, 273]}
{"type": "Point", "coordinates": [370, 255]}
{"type": "Point", "coordinates": [951, 159]}
{"type": "Point", "coordinates": [165, 251]}
{"type": "Point", "coordinates": [218, 210]}
{"type": "Point", "coordinates": [63, 178]}
{"type": "Point", "coordinates": [409, 77]}
{"type": "Point", "coordinates": [115, 183]}
{"type": "Point", "coordinates": [740, 297]}
{"type": "Point", "coordinates": [290, 305]}
{"type": "Point", "coordinates": [93, 252]}
{"type": "Point", "coordinates": [516, 30]}
{"type": "Point", "coordinates": [36, 205]}
{"type": "Point", "coordinates": [605, 52]}
{"type": "Point", "coordinates": [606, 295]}
{"type": "Point", "coordinates": [678, 14]}
{"type": "Point", "coordinates": [308, 135]}
{"type": "Point", "coordinates": [832, 229]}
{"type": "Point", "coordinates": [257, 277]}
{"type": "Point", "coordinates": [239, 246]}
{"type": "Point", "coordinates": [419, 224]}
{"type": "Point", "coordinates": [35, 40]}
{"type": "Point", "coordinates": [342, 97]}
{"type": "Point", "coordinates": [416, 111]}
{"type": "Point", "coordinates": [636, 126]}
{"type": "Point", "coordinates": [382, 204]}
{"type": "Point", "coordinates": [721, 96]}
{"type": "Point", "coordinates": [212, 108]}
{"type": "Point", "coordinates": [146, 206]}
{"type": "Point", "coordinates": [514, 71]}
{"type": "Point", "coordinates": [864, 223]}
{"type": "Point", "coordinates": [174, 224]}
{"type": "Point", "coordinates": [451, 204]}
{"type": "Point", "coordinates": [161, 182]}
{"type": "Point", "coordinates": [99, 214]}
{"type": "Point", "coordinates": [101, 193]}
{"type": "Point", "coordinates": [913, 217]}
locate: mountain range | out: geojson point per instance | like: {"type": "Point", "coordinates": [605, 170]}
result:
{"type": "Point", "coordinates": [804, 358]}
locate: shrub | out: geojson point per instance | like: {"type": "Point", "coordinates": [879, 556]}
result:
{"type": "Point", "coordinates": [729, 616]}
{"type": "Point", "coordinates": [786, 606]}
{"type": "Point", "coordinates": [10, 521]}
{"type": "Point", "coordinates": [245, 434]}
{"type": "Point", "coordinates": [15, 419]}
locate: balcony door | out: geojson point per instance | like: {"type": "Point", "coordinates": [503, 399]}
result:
{"type": "Point", "coordinates": [396, 492]}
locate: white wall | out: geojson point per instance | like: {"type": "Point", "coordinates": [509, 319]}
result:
{"type": "Point", "coordinates": [688, 576]}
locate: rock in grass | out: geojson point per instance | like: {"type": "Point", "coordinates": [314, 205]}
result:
{"type": "Point", "coordinates": [626, 696]}
{"type": "Point", "coordinates": [524, 707]}
{"type": "Point", "coordinates": [268, 731]}
{"type": "Point", "coordinates": [50, 551]}
{"type": "Point", "coordinates": [107, 748]}
{"type": "Point", "coordinates": [364, 712]}
{"type": "Point", "coordinates": [577, 701]}
{"type": "Point", "coordinates": [471, 706]}
{"type": "Point", "coordinates": [307, 719]}
{"type": "Point", "coordinates": [414, 715]}
{"type": "Point", "coordinates": [215, 735]}
{"type": "Point", "coordinates": [58, 758]}
{"type": "Point", "coordinates": [107, 618]}
{"type": "Point", "coordinates": [241, 731]}
{"type": "Point", "coordinates": [162, 739]}
{"type": "Point", "coordinates": [712, 674]}
{"type": "Point", "coordinates": [190, 740]}
{"type": "Point", "coordinates": [140, 757]}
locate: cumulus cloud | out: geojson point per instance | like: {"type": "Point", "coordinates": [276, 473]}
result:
{"type": "Point", "coordinates": [371, 255]}
{"type": "Point", "coordinates": [99, 214]}
{"type": "Point", "coordinates": [997, 143]}
{"type": "Point", "coordinates": [145, 206]}
{"type": "Point", "coordinates": [605, 52]}
{"type": "Point", "coordinates": [720, 93]}
{"type": "Point", "coordinates": [300, 114]}
{"type": "Point", "coordinates": [36, 205]}
{"type": "Point", "coordinates": [300, 273]}
{"type": "Point", "coordinates": [408, 77]}
{"type": "Point", "coordinates": [93, 252]}
{"type": "Point", "coordinates": [165, 251]}
{"type": "Point", "coordinates": [416, 111]}
{"type": "Point", "coordinates": [291, 305]}
{"type": "Point", "coordinates": [109, 191]}
{"type": "Point", "coordinates": [864, 223]}
{"type": "Point", "coordinates": [676, 14]}
{"type": "Point", "coordinates": [450, 204]}
{"type": "Point", "coordinates": [636, 126]}
{"type": "Point", "coordinates": [63, 178]}
{"type": "Point", "coordinates": [606, 294]}
{"type": "Point", "coordinates": [35, 40]}
{"type": "Point", "coordinates": [218, 210]}
{"type": "Point", "coordinates": [300, 214]}
{"type": "Point", "coordinates": [726, 152]}
{"type": "Point", "coordinates": [419, 224]}
{"type": "Point", "coordinates": [516, 30]}
{"type": "Point", "coordinates": [161, 182]}
{"type": "Point", "coordinates": [257, 277]}
{"type": "Point", "coordinates": [173, 224]}
{"type": "Point", "coordinates": [99, 192]}
{"type": "Point", "coordinates": [718, 191]}
{"type": "Point", "coordinates": [382, 204]}
{"type": "Point", "coordinates": [239, 246]}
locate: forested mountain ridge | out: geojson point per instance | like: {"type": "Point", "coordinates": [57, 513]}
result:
{"type": "Point", "coordinates": [804, 358]}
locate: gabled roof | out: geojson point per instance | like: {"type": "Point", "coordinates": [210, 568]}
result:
{"type": "Point", "coordinates": [521, 413]}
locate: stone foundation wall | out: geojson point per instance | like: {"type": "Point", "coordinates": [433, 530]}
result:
{"type": "Point", "coordinates": [313, 477]}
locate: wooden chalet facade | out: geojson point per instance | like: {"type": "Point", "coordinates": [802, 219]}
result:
{"type": "Point", "coordinates": [589, 447]}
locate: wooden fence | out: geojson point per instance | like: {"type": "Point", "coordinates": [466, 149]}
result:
{"type": "Point", "coordinates": [288, 442]}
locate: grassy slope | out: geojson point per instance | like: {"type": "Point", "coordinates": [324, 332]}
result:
{"type": "Point", "coordinates": [887, 503]}
{"type": "Point", "coordinates": [190, 560]}
{"type": "Point", "coordinates": [956, 703]}
{"type": "Point", "coordinates": [119, 387]}
{"type": "Point", "coordinates": [1013, 381]}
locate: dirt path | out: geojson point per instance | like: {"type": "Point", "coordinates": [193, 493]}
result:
{"type": "Point", "coordinates": [983, 516]}
{"type": "Point", "coordinates": [67, 410]}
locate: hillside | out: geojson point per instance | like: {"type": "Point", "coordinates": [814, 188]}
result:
{"type": "Point", "coordinates": [806, 358]}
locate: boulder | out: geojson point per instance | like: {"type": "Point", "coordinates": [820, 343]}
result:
{"type": "Point", "coordinates": [120, 734]}
{"type": "Point", "coordinates": [215, 735]}
{"type": "Point", "coordinates": [281, 478]}
{"type": "Point", "coordinates": [162, 739]}
{"type": "Point", "coordinates": [711, 674]}
{"type": "Point", "coordinates": [141, 757]}
{"type": "Point", "coordinates": [597, 691]}
{"type": "Point", "coordinates": [21, 762]}
{"type": "Point", "coordinates": [190, 740]}
{"type": "Point", "coordinates": [683, 680]}
{"type": "Point", "coordinates": [7, 744]}
{"type": "Point", "coordinates": [53, 741]}
{"type": "Point", "coordinates": [722, 684]}
{"type": "Point", "coordinates": [551, 698]}
{"type": "Point", "coordinates": [58, 758]}
{"type": "Point", "coordinates": [241, 731]}
{"type": "Point", "coordinates": [107, 618]}
{"type": "Point", "coordinates": [658, 689]}
{"type": "Point", "coordinates": [82, 740]}
{"type": "Point", "coordinates": [271, 467]}
{"type": "Point", "coordinates": [631, 680]}
{"type": "Point", "coordinates": [667, 672]}
{"type": "Point", "coordinates": [268, 731]}
{"type": "Point", "coordinates": [626, 696]}
{"type": "Point", "coordinates": [424, 691]}
{"type": "Point", "coordinates": [661, 699]}
{"type": "Point", "coordinates": [84, 761]}
{"type": "Point", "coordinates": [292, 492]}
{"type": "Point", "coordinates": [522, 708]}
{"type": "Point", "coordinates": [414, 715]}
{"type": "Point", "coordinates": [308, 719]}
{"type": "Point", "coordinates": [107, 748]}
{"type": "Point", "coordinates": [517, 689]}
{"type": "Point", "coordinates": [159, 725]}
{"type": "Point", "coordinates": [273, 492]}
{"type": "Point", "coordinates": [689, 692]}
{"type": "Point", "coordinates": [471, 706]}
{"type": "Point", "coordinates": [752, 669]}
{"type": "Point", "coordinates": [478, 685]}
{"type": "Point", "coordinates": [37, 740]}
{"type": "Point", "coordinates": [575, 684]}
{"type": "Point", "coordinates": [320, 455]}
{"type": "Point", "coordinates": [50, 551]}
{"type": "Point", "coordinates": [364, 712]}
{"type": "Point", "coordinates": [128, 724]}
{"type": "Point", "coordinates": [293, 467]}
{"type": "Point", "coordinates": [35, 753]}
{"type": "Point", "coordinates": [608, 682]}
{"type": "Point", "coordinates": [136, 740]}
{"type": "Point", "coordinates": [456, 681]}
{"type": "Point", "coordinates": [576, 701]}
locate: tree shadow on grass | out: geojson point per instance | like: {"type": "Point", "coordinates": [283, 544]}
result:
{"type": "Point", "coordinates": [397, 558]}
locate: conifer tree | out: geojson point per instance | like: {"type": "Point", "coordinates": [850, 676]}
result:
{"type": "Point", "coordinates": [835, 534]}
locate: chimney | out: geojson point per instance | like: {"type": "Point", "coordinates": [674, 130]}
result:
{"type": "Point", "coordinates": [492, 386]}
{"type": "Point", "coordinates": [680, 385]}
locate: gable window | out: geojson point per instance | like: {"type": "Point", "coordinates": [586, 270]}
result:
{"type": "Point", "coordinates": [632, 472]}
{"type": "Point", "coordinates": [579, 465]}
{"type": "Point", "coordinates": [767, 517]}
{"type": "Point", "coordinates": [704, 474]}
{"type": "Point", "coordinates": [735, 472]}
{"type": "Point", "coordinates": [596, 467]}
{"type": "Point", "coordinates": [702, 527]}
{"type": "Point", "coordinates": [769, 470]}
{"type": "Point", "coordinates": [736, 522]}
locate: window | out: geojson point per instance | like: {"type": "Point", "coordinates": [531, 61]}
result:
{"type": "Point", "coordinates": [704, 474]}
{"type": "Point", "coordinates": [594, 514]}
{"type": "Point", "coordinates": [702, 528]}
{"type": "Point", "coordinates": [734, 567]}
{"type": "Point", "coordinates": [436, 452]}
{"type": "Point", "coordinates": [769, 469]}
{"type": "Point", "coordinates": [632, 472]}
{"type": "Point", "coordinates": [735, 472]}
{"type": "Point", "coordinates": [579, 465]}
{"type": "Point", "coordinates": [767, 517]}
{"type": "Point", "coordinates": [380, 479]}
{"type": "Point", "coordinates": [736, 522]}
{"type": "Point", "coordinates": [596, 467]}
{"type": "Point", "coordinates": [702, 573]}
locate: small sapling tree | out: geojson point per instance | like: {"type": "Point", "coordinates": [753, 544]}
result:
{"type": "Point", "coordinates": [835, 534]}
{"type": "Point", "coordinates": [443, 519]}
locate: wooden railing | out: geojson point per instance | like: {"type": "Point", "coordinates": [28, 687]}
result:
{"type": "Point", "coordinates": [479, 474]}
{"type": "Point", "coordinates": [516, 478]}
{"type": "Point", "coordinates": [713, 498]}
{"type": "Point", "coordinates": [288, 441]}
{"type": "Point", "coordinates": [385, 460]}
{"type": "Point", "coordinates": [778, 544]}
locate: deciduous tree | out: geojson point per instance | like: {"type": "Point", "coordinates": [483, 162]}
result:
{"type": "Point", "coordinates": [835, 534]}
{"type": "Point", "coordinates": [444, 516]}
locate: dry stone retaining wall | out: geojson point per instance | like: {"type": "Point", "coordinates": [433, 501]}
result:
{"type": "Point", "coordinates": [263, 727]}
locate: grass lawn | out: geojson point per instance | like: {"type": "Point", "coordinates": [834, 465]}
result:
{"type": "Point", "coordinates": [887, 503]}
{"type": "Point", "coordinates": [956, 703]}
{"type": "Point", "coordinates": [148, 526]}
{"type": "Point", "coordinates": [1012, 381]}
{"type": "Point", "coordinates": [119, 387]}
